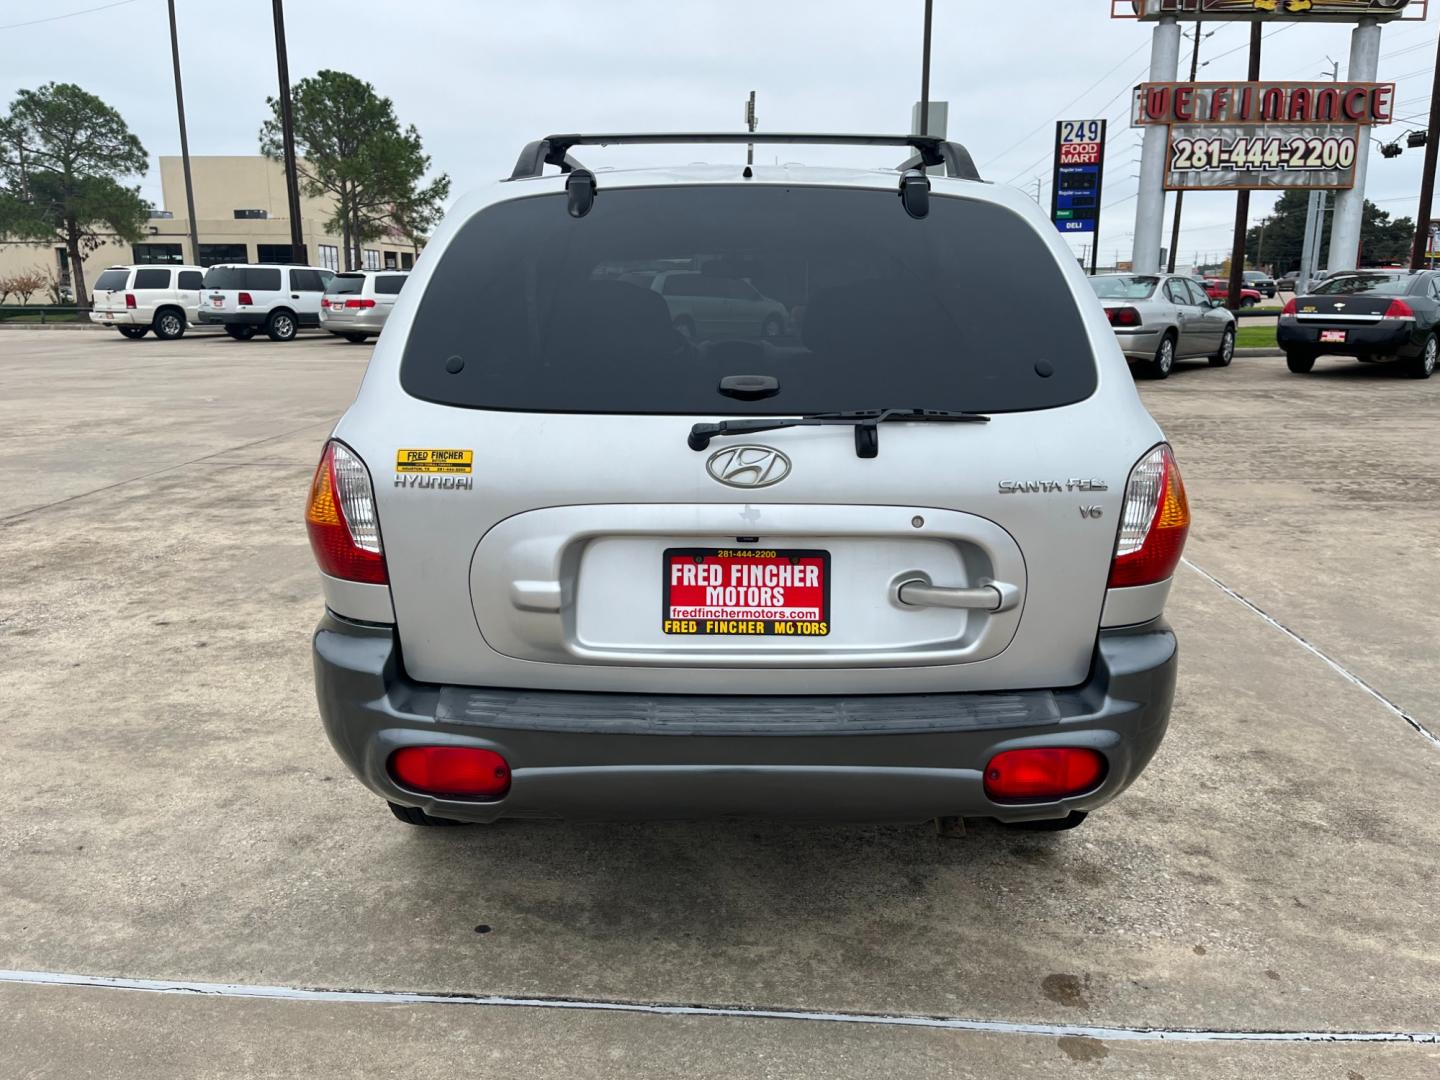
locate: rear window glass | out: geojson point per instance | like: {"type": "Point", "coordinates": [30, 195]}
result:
{"type": "Point", "coordinates": [1123, 287]}
{"type": "Point", "coordinates": [1379, 284]}
{"type": "Point", "coordinates": [152, 279]}
{"type": "Point", "coordinates": [112, 279]}
{"type": "Point", "coordinates": [389, 284]}
{"type": "Point", "coordinates": [260, 278]}
{"type": "Point", "coordinates": [647, 302]}
{"type": "Point", "coordinates": [346, 283]}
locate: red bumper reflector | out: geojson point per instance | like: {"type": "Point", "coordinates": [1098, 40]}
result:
{"type": "Point", "coordinates": [1046, 772]}
{"type": "Point", "coordinates": [463, 772]}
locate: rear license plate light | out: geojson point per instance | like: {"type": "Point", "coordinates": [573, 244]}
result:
{"type": "Point", "coordinates": [746, 592]}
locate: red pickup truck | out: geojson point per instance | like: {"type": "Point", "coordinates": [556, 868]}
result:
{"type": "Point", "coordinates": [1219, 289]}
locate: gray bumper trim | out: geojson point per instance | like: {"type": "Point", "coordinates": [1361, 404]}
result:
{"type": "Point", "coordinates": [873, 758]}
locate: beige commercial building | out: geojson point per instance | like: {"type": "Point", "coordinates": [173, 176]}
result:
{"type": "Point", "coordinates": [241, 216]}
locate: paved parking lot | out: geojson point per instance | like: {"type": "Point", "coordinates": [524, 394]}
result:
{"type": "Point", "coordinates": [173, 812]}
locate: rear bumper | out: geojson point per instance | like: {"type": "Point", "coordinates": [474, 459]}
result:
{"type": "Point", "coordinates": [351, 324]}
{"type": "Point", "coordinates": [901, 757]}
{"type": "Point", "coordinates": [1390, 337]}
{"type": "Point", "coordinates": [116, 318]}
{"type": "Point", "coordinates": [231, 318]}
{"type": "Point", "coordinates": [1141, 344]}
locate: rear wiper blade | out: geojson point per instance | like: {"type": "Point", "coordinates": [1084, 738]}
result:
{"type": "Point", "coordinates": [864, 421]}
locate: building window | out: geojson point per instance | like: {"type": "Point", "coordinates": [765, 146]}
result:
{"type": "Point", "coordinates": [407, 261]}
{"type": "Point", "coordinates": [372, 259]}
{"type": "Point", "coordinates": [274, 253]}
{"type": "Point", "coordinates": [210, 254]}
{"type": "Point", "coordinates": [252, 215]}
{"type": "Point", "coordinates": [329, 256]}
{"type": "Point", "coordinates": [157, 253]}
{"type": "Point", "coordinates": [390, 263]}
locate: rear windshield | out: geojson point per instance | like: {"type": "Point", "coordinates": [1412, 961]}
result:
{"type": "Point", "coordinates": [1124, 287]}
{"type": "Point", "coordinates": [647, 302]}
{"type": "Point", "coordinates": [260, 278]}
{"type": "Point", "coordinates": [112, 279]}
{"type": "Point", "coordinates": [1379, 284]}
{"type": "Point", "coordinates": [346, 283]}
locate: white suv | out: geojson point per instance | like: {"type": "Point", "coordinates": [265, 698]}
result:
{"type": "Point", "coordinates": [249, 297]}
{"type": "Point", "coordinates": [906, 564]}
{"type": "Point", "coordinates": [138, 299]}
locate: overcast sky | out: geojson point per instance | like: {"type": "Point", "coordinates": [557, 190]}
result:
{"type": "Point", "coordinates": [481, 77]}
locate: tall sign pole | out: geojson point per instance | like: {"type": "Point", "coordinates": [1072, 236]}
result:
{"type": "Point", "coordinates": [184, 141]}
{"type": "Point", "coordinates": [1242, 197]}
{"type": "Point", "coordinates": [287, 134]}
{"type": "Point", "coordinates": [925, 72]}
{"type": "Point", "coordinates": [1350, 205]}
{"type": "Point", "coordinates": [1180, 195]}
{"type": "Point", "coordinates": [1150, 202]}
{"type": "Point", "coordinates": [1427, 181]}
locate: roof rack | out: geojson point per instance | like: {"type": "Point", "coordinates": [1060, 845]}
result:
{"type": "Point", "coordinates": [930, 150]}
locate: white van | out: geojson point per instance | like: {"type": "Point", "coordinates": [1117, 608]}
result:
{"type": "Point", "coordinates": [138, 299]}
{"type": "Point", "coordinates": [357, 303]}
{"type": "Point", "coordinates": [246, 298]}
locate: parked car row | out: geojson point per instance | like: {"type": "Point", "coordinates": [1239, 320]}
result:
{"type": "Point", "coordinates": [245, 299]}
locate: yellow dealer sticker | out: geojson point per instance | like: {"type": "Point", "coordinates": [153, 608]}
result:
{"type": "Point", "coordinates": [434, 461]}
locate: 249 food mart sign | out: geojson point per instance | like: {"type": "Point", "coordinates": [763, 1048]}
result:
{"type": "Point", "coordinates": [1079, 174]}
{"type": "Point", "coordinates": [1263, 134]}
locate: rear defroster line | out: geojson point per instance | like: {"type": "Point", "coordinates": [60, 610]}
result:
{"type": "Point", "coordinates": [729, 1012]}
{"type": "Point", "coordinates": [1336, 666]}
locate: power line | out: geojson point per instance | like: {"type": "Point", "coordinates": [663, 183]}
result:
{"type": "Point", "coordinates": [67, 15]}
{"type": "Point", "coordinates": [1026, 138]}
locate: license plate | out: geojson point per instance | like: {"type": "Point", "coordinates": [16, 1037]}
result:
{"type": "Point", "coordinates": [1335, 337]}
{"type": "Point", "coordinates": [217, 301]}
{"type": "Point", "coordinates": [746, 592]}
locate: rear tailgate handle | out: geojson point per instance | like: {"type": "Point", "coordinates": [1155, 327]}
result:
{"type": "Point", "coordinates": [990, 596]}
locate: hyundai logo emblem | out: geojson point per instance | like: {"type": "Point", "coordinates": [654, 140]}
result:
{"type": "Point", "coordinates": [748, 466]}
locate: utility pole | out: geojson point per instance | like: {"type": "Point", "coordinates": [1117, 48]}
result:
{"type": "Point", "coordinates": [1314, 218]}
{"type": "Point", "coordinates": [1037, 190]}
{"type": "Point", "coordinates": [925, 72]}
{"type": "Point", "coordinates": [1242, 197]}
{"type": "Point", "coordinates": [1180, 195]}
{"type": "Point", "coordinates": [184, 141]}
{"type": "Point", "coordinates": [1427, 179]}
{"type": "Point", "coordinates": [287, 134]}
{"type": "Point", "coordinates": [750, 124]}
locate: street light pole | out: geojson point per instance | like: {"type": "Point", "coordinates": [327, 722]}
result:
{"type": "Point", "coordinates": [750, 123]}
{"type": "Point", "coordinates": [287, 134]}
{"type": "Point", "coordinates": [925, 72]}
{"type": "Point", "coordinates": [1427, 179]}
{"type": "Point", "coordinates": [1242, 197]}
{"type": "Point", "coordinates": [184, 141]}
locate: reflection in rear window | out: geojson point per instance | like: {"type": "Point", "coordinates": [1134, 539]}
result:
{"type": "Point", "coordinates": [346, 283]}
{"type": "Point", "coordinates": [1379, 284]}
{"type": "Point", "coordinates": [1123, 286]}
{"type": "Point", "coordinates": [643, 305]}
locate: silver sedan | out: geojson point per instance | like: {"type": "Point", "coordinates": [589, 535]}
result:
{"type": "Point", "coordinates": [1161, 318]}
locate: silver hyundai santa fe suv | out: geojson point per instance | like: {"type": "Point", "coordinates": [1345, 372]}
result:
{"type": "Point", "coordinates": [894, 562]}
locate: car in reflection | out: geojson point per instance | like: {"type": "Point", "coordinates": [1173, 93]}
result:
{"type": "Point", "coordinates": [1161, 318]}
{"type": "Point", "coordinates": [1371, 315]}
{"type": "Point", "coordinates": [706, 307]}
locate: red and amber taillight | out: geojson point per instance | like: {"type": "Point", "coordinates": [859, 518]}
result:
{"type": "Point", "coordinates": [1153, 524]}
{"type": "Point", "coordinates": [344, 528]}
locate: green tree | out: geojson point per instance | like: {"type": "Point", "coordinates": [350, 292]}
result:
{"type": "Point", "coordinates": [62, 154]}
{"type": "Point", "coordinates": [352, 148]}
{"type": "Point", "coordinates": [1283, 233]}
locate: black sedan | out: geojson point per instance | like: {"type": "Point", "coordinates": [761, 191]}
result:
{"type": "Point", "coordinates": [1368, 314]}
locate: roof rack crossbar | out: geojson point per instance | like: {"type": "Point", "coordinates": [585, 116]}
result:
{"type": "Point", "coordinates": [931, 150]}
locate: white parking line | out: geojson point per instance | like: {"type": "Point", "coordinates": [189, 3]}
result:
{"type": "Point", "coordinates": [1335, 665]}
{"type": "Point", "coordinates": [735, 1012]}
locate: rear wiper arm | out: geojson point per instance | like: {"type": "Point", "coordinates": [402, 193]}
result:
{"type": "Point", "coordinates": [864, 421]}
